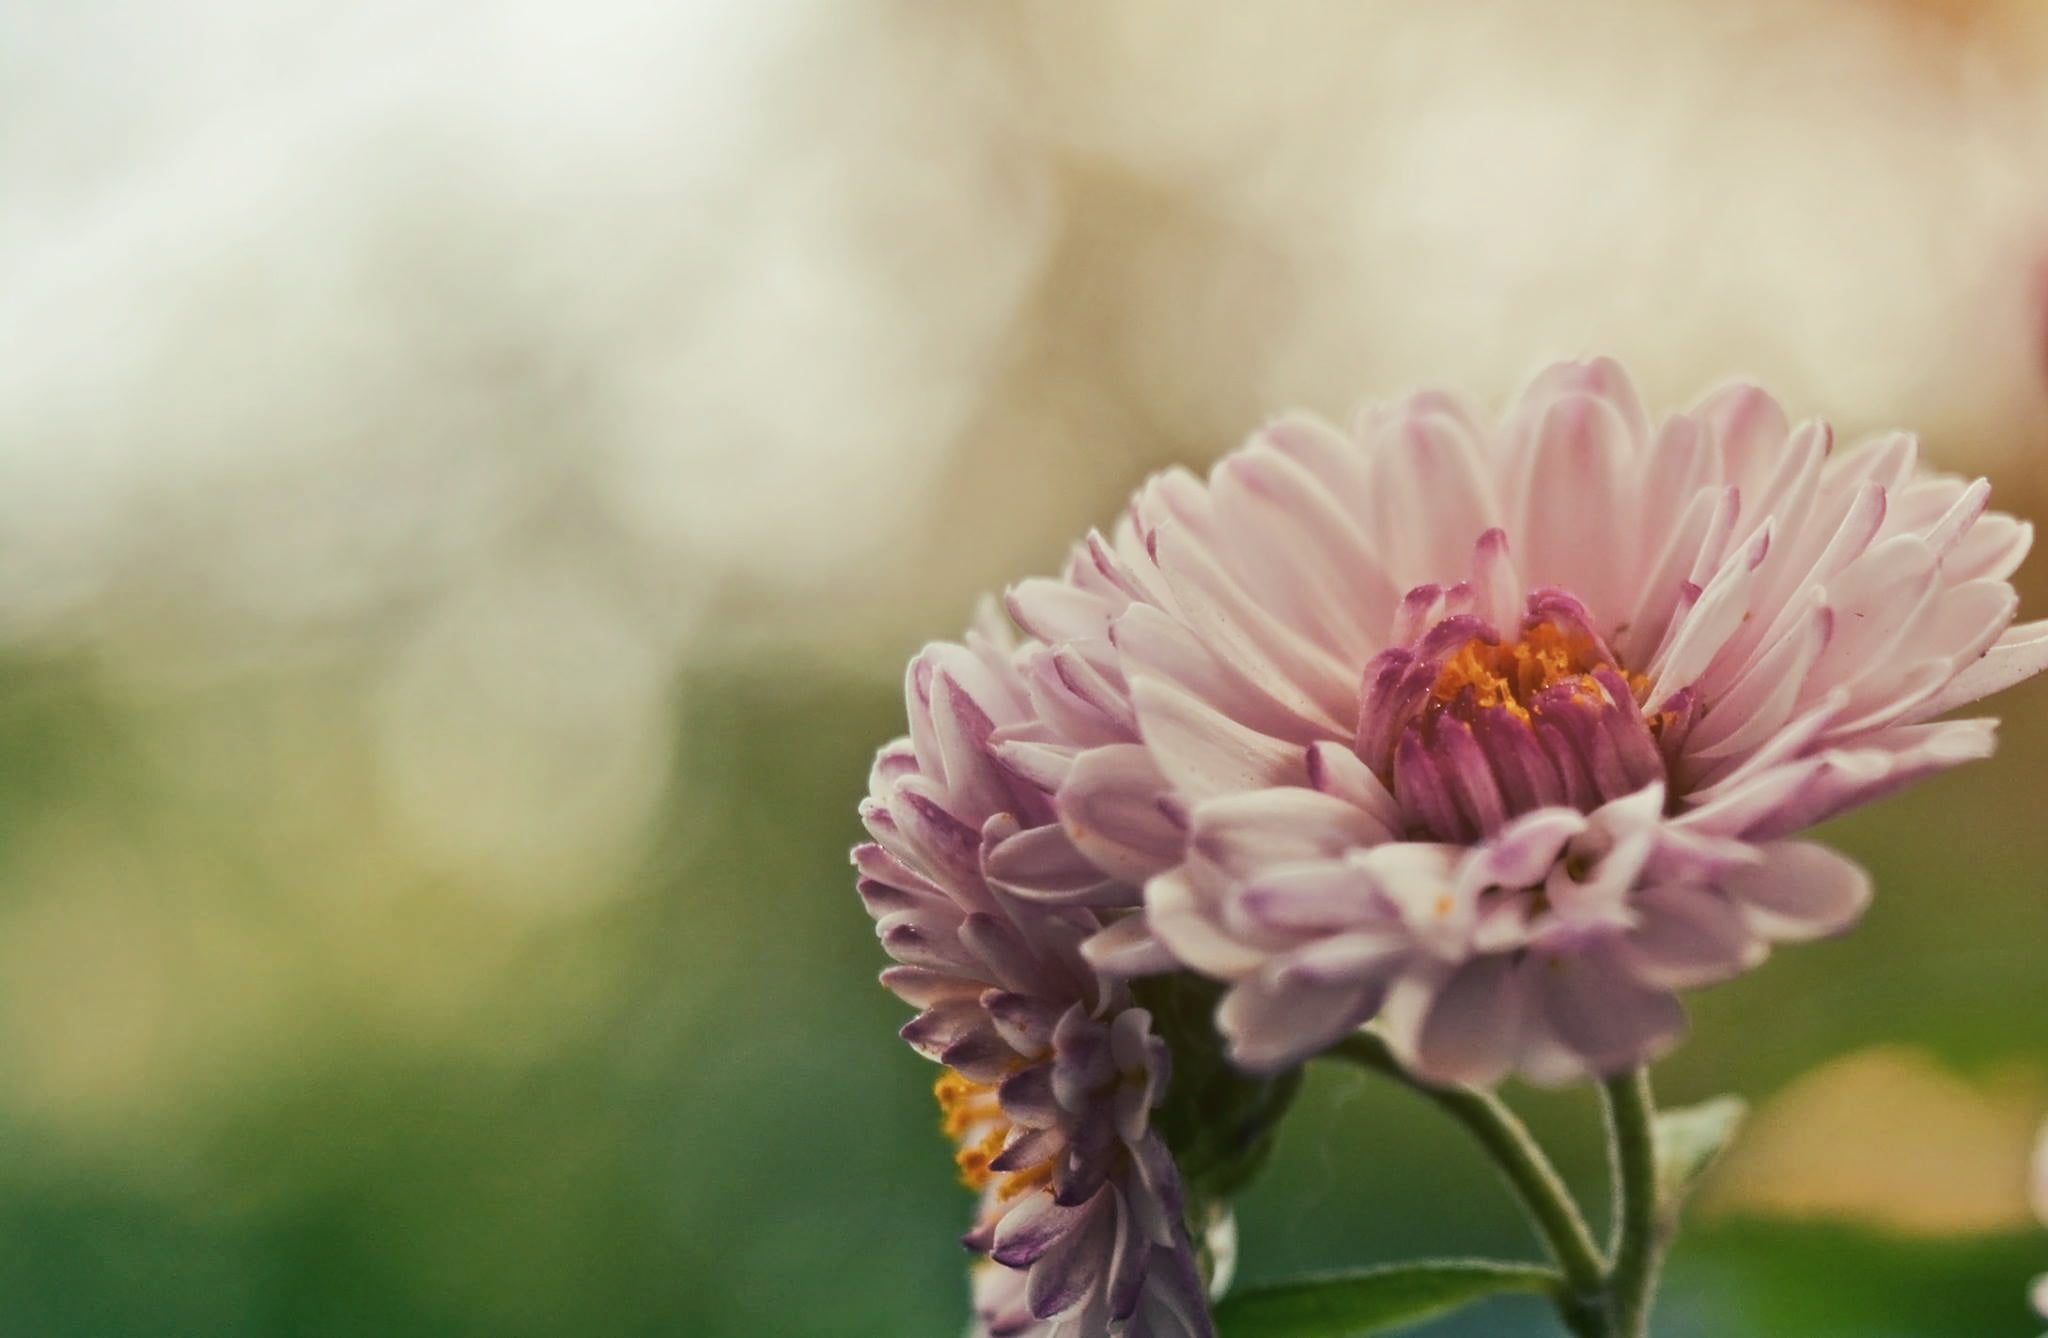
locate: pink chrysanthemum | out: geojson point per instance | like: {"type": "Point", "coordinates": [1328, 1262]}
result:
{"type": "Point", "coordinates": [1051, 1073]}
{"type": "Point", "coordinates": [1497, 733]}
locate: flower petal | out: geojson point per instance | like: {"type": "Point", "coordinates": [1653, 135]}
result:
{"type": "Point", "coordinates": [1205, 753]}
{"type": "Point", "coordinates": [1471, 1028]}
{"type": "Point", "coordinates": [1800, 891]}
{"type": "Point", "coordinates": [1270, 1022]}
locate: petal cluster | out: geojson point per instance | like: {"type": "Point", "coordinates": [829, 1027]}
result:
{"type": "Point", "coordinates": [1498, 731]}
{"type": "Point", "coordinates": [1050, 1072]}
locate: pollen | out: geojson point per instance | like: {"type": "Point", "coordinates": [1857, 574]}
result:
{"type": "Point", "coordinates": [1017, 1183]}
{"type": "Point", "coordinates": [1510, 674]}
{"type": "Point", "coordinates": [964, 1103]}
{"type": "Point", "coordinates": [972, 1117]}
{"type": "Point", "coordinates": [973, 1158]}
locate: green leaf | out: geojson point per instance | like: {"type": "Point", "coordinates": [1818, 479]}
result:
{"type": "Point", "coordinates": [1687, 1139]}
{"type": "Point", "coordinates": [1373, 1300]}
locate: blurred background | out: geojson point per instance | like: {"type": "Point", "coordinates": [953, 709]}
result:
{"type": "Point", "coordinates": [470, 476]}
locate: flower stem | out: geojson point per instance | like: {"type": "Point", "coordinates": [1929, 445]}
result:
{"type": "Point", "coordinates": [1536, 1182]}
{"type": "Point", "coordinates": [1637, 1249]}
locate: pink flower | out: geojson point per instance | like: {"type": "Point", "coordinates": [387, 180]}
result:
{"type": "Point", "coordinates": [1051, 1073]}
{"type": "Point", "coordinates": [1497, 733]}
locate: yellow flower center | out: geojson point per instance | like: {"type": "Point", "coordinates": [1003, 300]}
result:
{"type": "Point", "coordinates": [971, 1116]}
{"type": "Point", "coordinates": [1510, 674]}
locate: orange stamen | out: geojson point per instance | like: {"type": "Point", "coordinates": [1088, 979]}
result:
{"type": "Point", "coordinates": [971, 1116]}
{"type": "Point", "coordinates": [1511, 674]}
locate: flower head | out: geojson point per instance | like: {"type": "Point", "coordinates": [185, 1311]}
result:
{"type": "Point", "coordinates": [1051, 1072]}
{"type": "Point", "coordinates": [1498, 732]}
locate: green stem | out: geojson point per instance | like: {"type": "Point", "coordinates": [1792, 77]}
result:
{"type": "Point", "coordinates": [1637, 1251]}
{"type": "Point", "coordinates": [1535, 1181]}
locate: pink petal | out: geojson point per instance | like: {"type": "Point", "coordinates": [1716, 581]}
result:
{"type": "Point", "coordinates": [1269, 1023]}
{"type": "Point", "coordinates": [1601, 1013]}
{"type": "Point", "coordinates": [1056, 611]}
{"type": "Point", "coordinates": [1041, 765]}
{"type": "Point", "coordinates": [1245, 834]}
{"type": "Point", "coordinates": [1571, 487]}
{"type": "Point", "coordinates": [1302, 899]}
{"type": "Point", "coordinates": [1030, 1228]}
{"type": "Point", "coordinates": [1993, 549]}
{"type": "Point", "coordinates": [1431, 496]}
{"type": "Point", "coordinates": [1128, 948]}
{"type": "Point", "coordinates": [1471, 1029]}
{"type": "Point", "coordinates": [1111, 809]}
{"type": "Point", "coordinates": [921, 987]}
{"type": "Point", "coordinates": [1522, 853]}
{"type": "Point", "coordinates": [1354, 957]}
{"type": "Point", "coordinates": [1189, 930]}
{"type": "Point", "coordinates": [1876, 601]}
{"type": "Point", "coordinates": [2019, 653]}
{"type": "Point", "coordinates": [1888, 761]}
{"type": "Point", "coordinates": [1887, 460]}
{"type": "Point", "coordinates": [1155, 644]}
{"type": "Point", "coordinates": [1699, 537]}
{"type": "Point", "coordinates": [1686, 937]}
{"type": "Point", "coordinates": [1702, 635]}
{"type": "Point", "coordinates": [1761, 702]}
{"type": "Point", "coordinates": [1800, 891]}
{"type": "Point", "coordinates": [1747, 427]}
{"type": "Point", "coordinates": [1299, 674]}
{"type": "Point", "coordinates": [1043, 864]}
{"type": "Point", "coordinates": [1204, 753]}
{"type": "Point", "coordinates": [1307, 554]}
{"type": "Point", "coordinates": [1961, 516]}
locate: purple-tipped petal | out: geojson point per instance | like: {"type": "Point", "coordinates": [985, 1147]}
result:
{"type": "Point", "coordinates": [981, 1055]}
{"type": "Point", "coordinates": [1043, 863]}
{"type": "Point", "coordinates": [1031, 1228]}
{"type": "Point", "coordinates": [1112, 814]}
{"type": "Point", "coordinates": [1075, 1261]}
{"type": "Point", "coordinates": [921, 987]}
{"type": "Point", "coordinates": [1326, 898]}
{"type": "Point", "coordinates": [1125, 1282]}
{"type": "Point", "coordinates": [939, 1028]}
{"type": "Point", "coordinates": [1027, 1097]}
{"type": "Point", "coordinates": [1024, 1021]}
{"type": "Point", "coordinates": [1092, 1143]}
{"type": "Point", "coordinates": [1007, 958]}
{"type": "Point", "coordinates": [1604, 1015]}
{"type": "Point", "coordinates": [1129, 948]}
{"type": "Point", "coordinates": [1336, 770]}
{"type": "Point", "coordinates": [1083, 1062]}
{"type": "Point", "coordinates": [915, 939]}
{"type": "Point", "coordinates": [1028, 1148]}
{"type": "Point", "coordinates": [1521, 855]}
